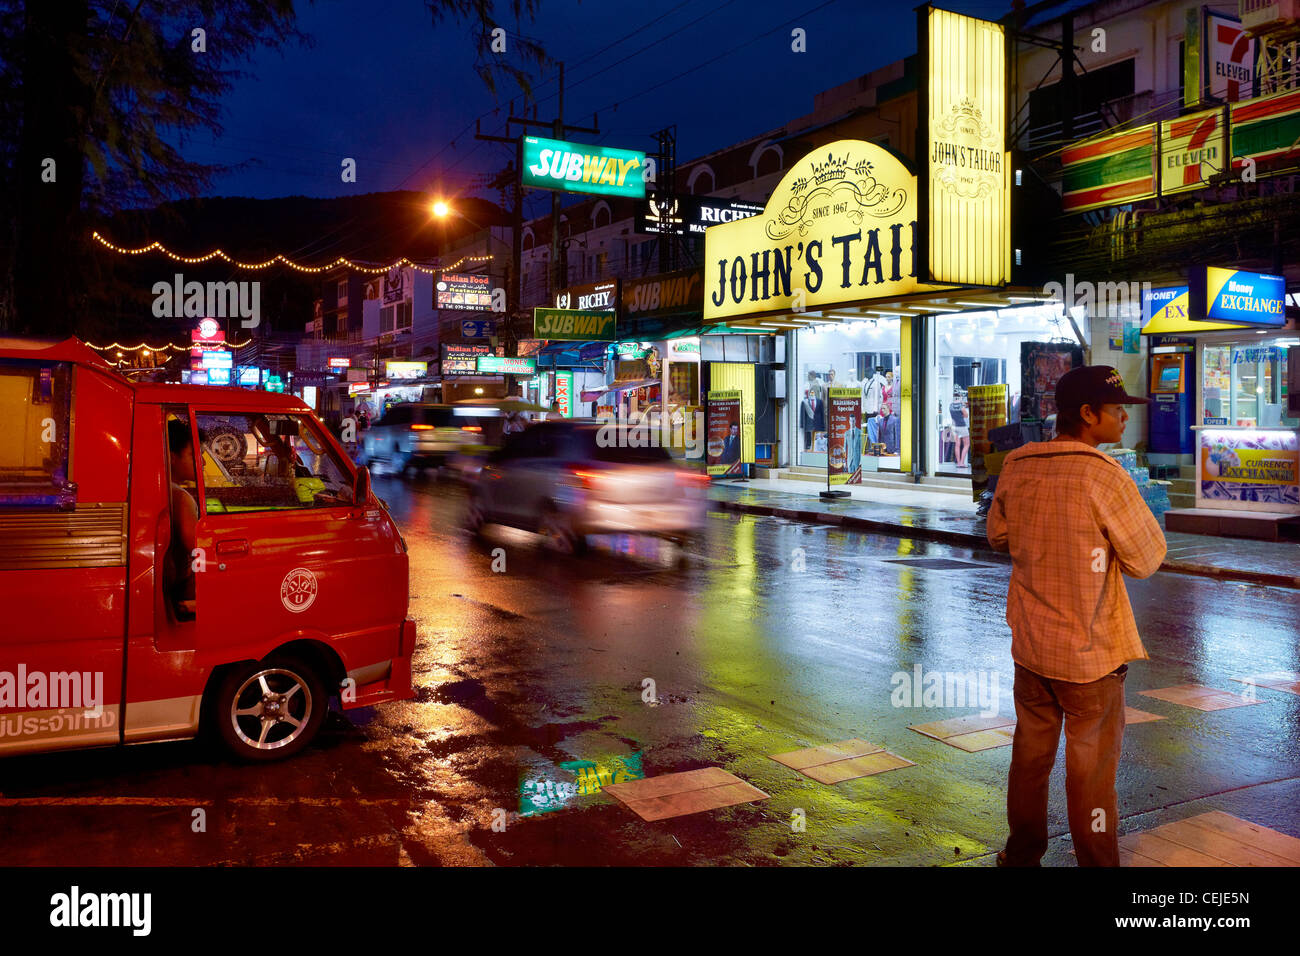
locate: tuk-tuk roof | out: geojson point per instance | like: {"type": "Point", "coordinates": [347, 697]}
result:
{"type": "Point", "coordinates": [55, 350]}
{"type": "Point", "coordinates": [75, 351]}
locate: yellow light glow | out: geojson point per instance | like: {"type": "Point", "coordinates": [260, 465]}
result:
{"type": "Point", "coordinates": [441, 209]}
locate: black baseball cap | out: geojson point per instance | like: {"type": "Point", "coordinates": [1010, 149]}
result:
{"type": "Point", "coordinates": [1094, 385]}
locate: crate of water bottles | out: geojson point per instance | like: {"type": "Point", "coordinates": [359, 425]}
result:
{"type": "Point", "coordinates": [1154, 493]}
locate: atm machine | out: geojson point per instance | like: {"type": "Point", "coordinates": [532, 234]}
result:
{"type": "Point", "coordinates": [1173, 402]}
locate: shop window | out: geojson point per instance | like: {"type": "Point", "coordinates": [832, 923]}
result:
{"type": "Point", "coordinates": [1095, 90]}
{"type": "Point", "coordinates": [183, 512]}
{"type": "Point", "coordinates": [386, 318]}
{"type": "Point", "coordinates": [268, 462]}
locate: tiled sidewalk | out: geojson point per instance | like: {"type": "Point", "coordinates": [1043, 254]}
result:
{"type": "Point", "coordinates": [951, 519]}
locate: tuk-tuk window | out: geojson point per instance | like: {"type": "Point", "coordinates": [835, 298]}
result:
{"type": "Point", "coordinates": [35, 399]}
{"type": "Point", "coordinates": [268, 462]}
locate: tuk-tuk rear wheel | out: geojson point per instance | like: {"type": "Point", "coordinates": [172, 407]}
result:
{"type": "Point", "coordinates": [269, 710]}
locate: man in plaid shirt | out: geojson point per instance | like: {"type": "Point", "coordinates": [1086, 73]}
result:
{"type": "Point", "coordinates": [1074, 523]}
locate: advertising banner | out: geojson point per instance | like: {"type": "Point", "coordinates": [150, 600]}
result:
{"type": "Point", "coordinates": [579, 168]}
{"type": "Point", "coordinates": [466, 292]}
{"type": "Point", "coordinates": [723, 438]}
{"type": "Point", "coordinates": [740, 377]}
{"type": "Point", "coordinates": [399, 369]}
{"type": "Point", "coordinates": [988, 410]}
{"type": "Point", "coordinates": [844, 438]}
{"type": "Point", "coordinates": [1041, 366]}
{"type": "Point", "coordinates": [462, 359]}
{"type": "Point", "coordinates": [564, 392]}
{"type": "Point", "coordinates": [1229, 59]}
{"type": "Point", "coordinates": [573, 325]}
{"type": "Point", "coordinates": [1250, 465]}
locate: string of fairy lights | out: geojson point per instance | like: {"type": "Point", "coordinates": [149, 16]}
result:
{"type": "Point", "coordinates": [340, 262]}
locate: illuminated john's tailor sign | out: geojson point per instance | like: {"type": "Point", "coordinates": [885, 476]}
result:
{"type": "Point", "coordinates": [967, 179]}
{"type": "Point", "coordinates": [573, 167]}
{"type": "Point", "coordinates": [840, 227]}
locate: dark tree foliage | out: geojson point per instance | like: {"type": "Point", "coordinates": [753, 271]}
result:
{"type": "Point", "coordinates": [97, 101]}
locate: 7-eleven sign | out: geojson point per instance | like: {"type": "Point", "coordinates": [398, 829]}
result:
{"type": "Point", "coordinates": [1193, 148]}
{"type": "Point", "coordinates": [1229, 59]}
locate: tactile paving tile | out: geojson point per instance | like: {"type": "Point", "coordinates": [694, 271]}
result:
{"type": "Point", "coordinates": [842, 760]}
{"type": "Point", "coordinates": [1285, 681]}
{"type": "Point", "coordinates": [1209, 839]}
{"type": "Point", "coordinates": [1134, 716]}
{"type": "Point", "coordinates": [1199, 697]}
{"type": "Point", "coordinates": [971, 734]}
{"type": "Point", "coordinates": [677, 794]}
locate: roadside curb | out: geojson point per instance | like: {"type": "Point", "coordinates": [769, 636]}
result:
{"type": "Point", "coordinates": [979, 542]}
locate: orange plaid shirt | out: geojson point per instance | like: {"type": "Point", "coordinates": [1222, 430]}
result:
{"type": "Point", "coordinates": [1072, 520]}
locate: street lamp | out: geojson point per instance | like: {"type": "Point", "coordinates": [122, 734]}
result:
{"type": "Point", "coordinates": [440, 208]}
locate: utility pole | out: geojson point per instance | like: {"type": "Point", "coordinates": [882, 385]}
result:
{"type": "Point", "coordinates": [666, 185]}
{"type": "Point", "coordinates": [558, 130]}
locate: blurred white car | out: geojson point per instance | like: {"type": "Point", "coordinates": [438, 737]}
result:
{"type": "Point", "coordinates": [570, 479]}
{"type": "Point", "coordinates": [416, 434]}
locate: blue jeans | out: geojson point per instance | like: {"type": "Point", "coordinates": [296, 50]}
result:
{"type": "Point", "coordinates": [1093, 714]}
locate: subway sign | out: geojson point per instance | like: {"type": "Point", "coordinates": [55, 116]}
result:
{"type": "Point", "coordinates": [577, 168]}
{"type": "Point", "coordinates": [574, 325]}
{"type": "Point", "coordinates": [1230, 295]}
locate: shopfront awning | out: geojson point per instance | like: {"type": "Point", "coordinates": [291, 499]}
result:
{"type": "Point", "coordinates": [922, 303]}
{"type": "Point", "coordinates": [624, 386]}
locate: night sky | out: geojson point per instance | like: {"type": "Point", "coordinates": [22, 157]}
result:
{"type": "Point", "coordinates": [379, 83]}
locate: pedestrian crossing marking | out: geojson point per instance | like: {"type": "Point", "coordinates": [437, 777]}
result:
{"type": "Point", "coordinates": [975, 733]}
{"type": "Point", "coordinates": [842, 760]}
{"type": "Point", "coordinates": [1209, 839]}
{"type": "Point", "coordinates": [679, 794]}
{"type": "Point", "coordinates": [971, 734]}
{"type": "Point", "coordinates": [1199, 697]}
{"type": "Point", "coordinates": [1134, 716]}
{"type": "Point", "coordinates": [1286, 681]}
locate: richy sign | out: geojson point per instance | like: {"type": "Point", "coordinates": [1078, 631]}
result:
{"type": "Point", "coordinates": [839, 228]}
{"type": "Point", "coordinates": [582, 325]}
{"type": "Point", "coordinates": [575, 168]}
{"type": "Point", "coordinates": [593, 296]}
{"type": "Point", "coordinates": [669, 215]}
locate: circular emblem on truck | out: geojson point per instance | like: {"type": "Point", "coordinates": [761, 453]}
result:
{"type": "Point", "coordinates": [298, 590]}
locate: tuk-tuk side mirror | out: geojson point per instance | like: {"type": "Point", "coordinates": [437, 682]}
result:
{"type": "Point", "coordinates": [361, 487]}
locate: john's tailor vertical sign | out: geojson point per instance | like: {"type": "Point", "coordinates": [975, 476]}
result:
{"type": "Point", "coordinates": [723, 441]}
{"type": "Point", "coordinates": [844, 439]}
{"type": "Point", "coordinates": [966, 201]}
{"type": "Point", "coordinates": [577, 168]}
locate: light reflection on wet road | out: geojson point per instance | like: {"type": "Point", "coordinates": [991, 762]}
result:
{"type": "Point", "coordinates": [773, 636]}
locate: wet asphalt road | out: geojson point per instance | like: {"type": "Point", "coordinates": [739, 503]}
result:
{"type": "Point", "coordinates": [770, 636]}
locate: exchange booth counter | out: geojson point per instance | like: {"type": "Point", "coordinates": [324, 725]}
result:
{"type": "Point", "coordinates": [1247, 484]}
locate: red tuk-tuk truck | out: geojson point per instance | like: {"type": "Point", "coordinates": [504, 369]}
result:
{"type": "Point", "coordinates": [177, 557]}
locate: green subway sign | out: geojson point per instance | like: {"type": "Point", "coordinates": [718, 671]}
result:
{"type": "Point", "coordinates": [574, 325]}
{"type": "Point", "coordinates": [576, 168]}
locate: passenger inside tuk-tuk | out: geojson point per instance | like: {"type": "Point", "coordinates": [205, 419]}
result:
{"type": "Point", "coordinates": [184, 518]}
